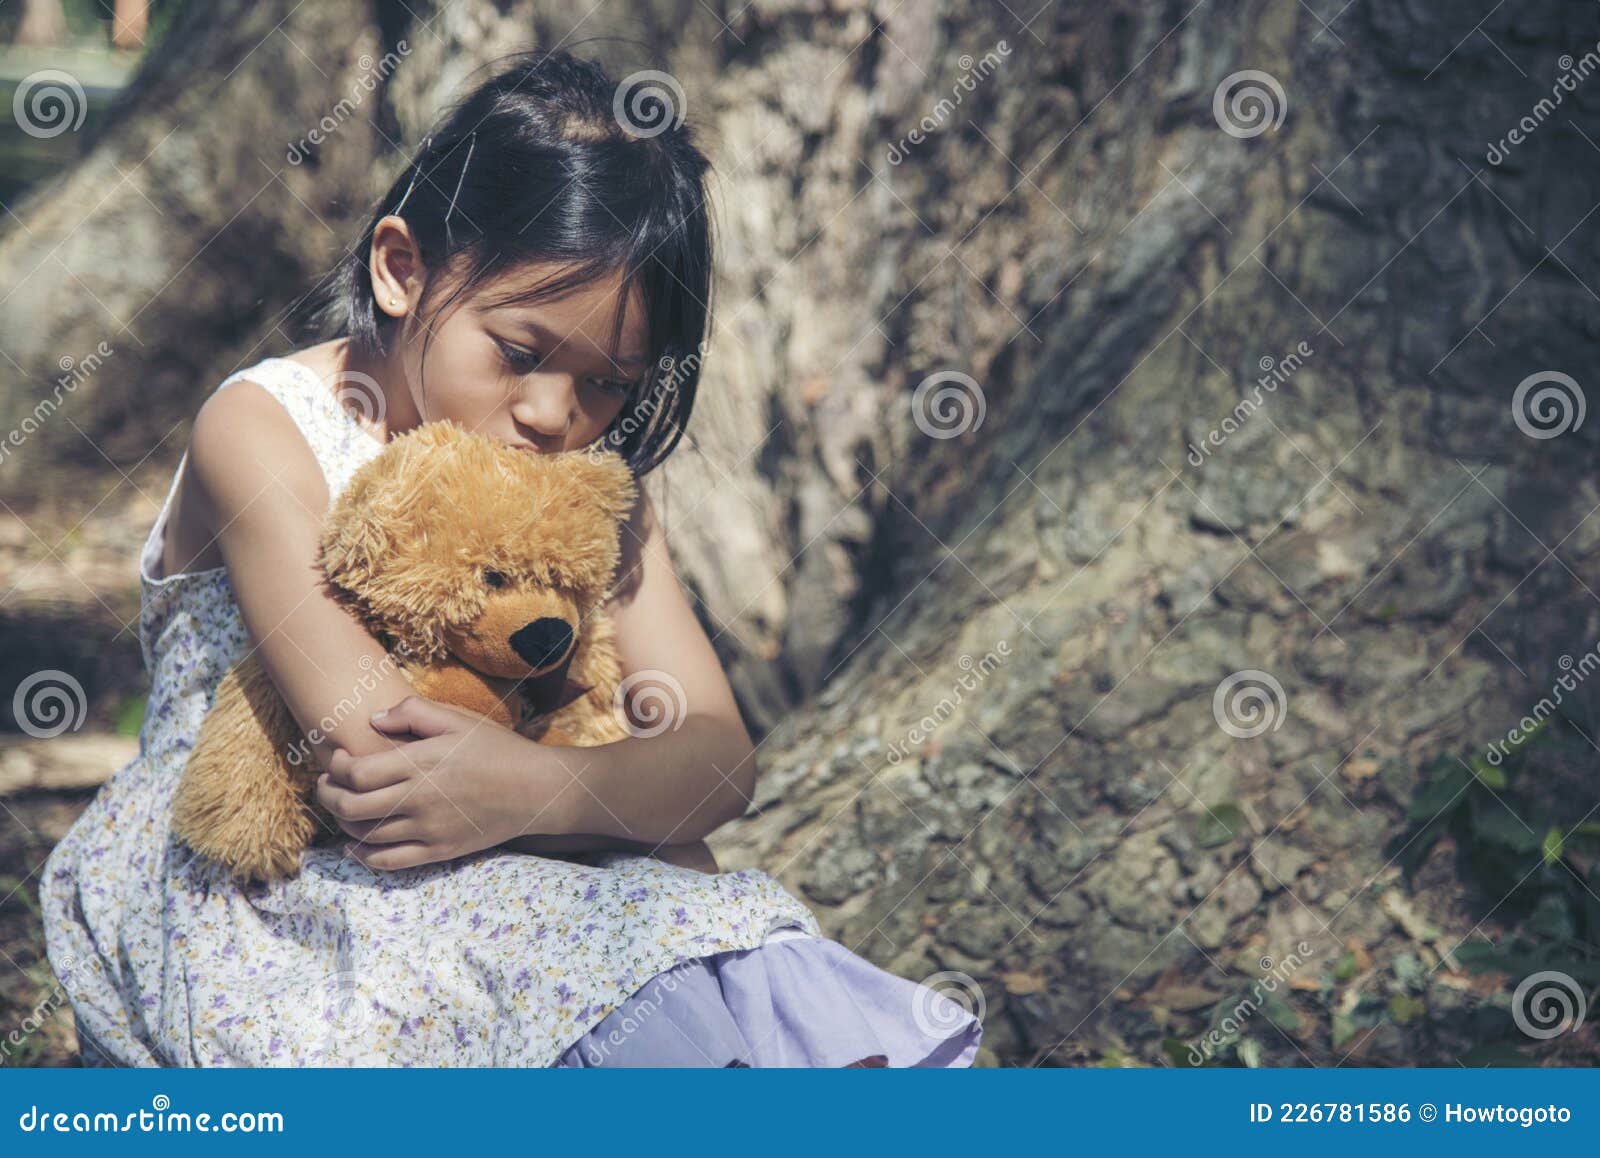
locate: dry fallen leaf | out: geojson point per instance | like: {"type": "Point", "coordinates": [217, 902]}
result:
{"type": "Point", "coordinates": [1021, 983]}
{"type": "Point", "coordinates": [1359, 952]}
{"type": "Point", "coordinates": [1186, 998]}
{"type": "Point", "coordinates": [1361, 768]}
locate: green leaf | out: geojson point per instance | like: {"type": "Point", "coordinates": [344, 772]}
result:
{"type": "Point", "coordinates": [1480, 956]}
{"type": "Point", "coordinates": [1179, 1053]}
{"type": "Point", "coordinates": [1537, 732]}
{"type": "Point", "coordinates": [1116, 1059]}
{"type": "Point", "coordinates": [1405, 1008]}
{"type": "Point", "coordinates": [1441, 793]}
{"type": "Point", "coordinates": [1280, 1013]}
{"type": "Point", "coordinates": [1494, 822]}
{"type": "Point", "coordinates": [1218, 825]}
{"type": "Point", "coordinates": [1552, 918]}
{"type": "Point", "coordinates": [1250, 1052]}
{"type": "Point", "coordinates": [1554, 846]}
{"type": "Point", "coordinates": [1489, 774]}
{"type": "Point", "coordinates": [1344, 1028]}
{"type": "Point", "coordinates": [130, 716]}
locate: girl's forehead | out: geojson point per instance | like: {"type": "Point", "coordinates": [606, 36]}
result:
{"type": "Point", "coordinates": [589, 309]}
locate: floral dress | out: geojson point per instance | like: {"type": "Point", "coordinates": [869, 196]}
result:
{"type": "Point", "coordinates": [496, 958]}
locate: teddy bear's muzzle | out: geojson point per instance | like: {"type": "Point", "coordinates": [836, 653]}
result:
{"type": "Point", "coordinates": [544, 643]}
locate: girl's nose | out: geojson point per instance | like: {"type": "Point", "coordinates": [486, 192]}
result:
{"type": "Point", "coordinates": [545, 404]}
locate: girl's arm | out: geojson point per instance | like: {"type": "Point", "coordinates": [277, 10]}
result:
{"type": "Point", "coordinates": [694, 855]}
{"type": "Point", "coordinates": [692, 767]}
{"type": "Point", "coordinates": [262, 495]}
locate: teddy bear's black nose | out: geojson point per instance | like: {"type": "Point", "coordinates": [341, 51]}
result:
{"type": "Point", "coordinates": [543, 641]}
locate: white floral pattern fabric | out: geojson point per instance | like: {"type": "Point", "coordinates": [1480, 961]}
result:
{"type": "Point", "coordinates": [496, 958]}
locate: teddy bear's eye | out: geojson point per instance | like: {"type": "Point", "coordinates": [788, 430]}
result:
{"type": "Point", "coordinates": [494, 578]}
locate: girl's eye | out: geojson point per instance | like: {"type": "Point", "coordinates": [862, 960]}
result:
{"type": "Point", "coordinates": [612, 385]}
{"type": "Point", "coordinates": [494, 578]}
{"type": "Point", "coordinates": [518, 359]}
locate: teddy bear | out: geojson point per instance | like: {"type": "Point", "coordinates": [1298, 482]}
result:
{"type": "Point", "coordinates": [482, 568]}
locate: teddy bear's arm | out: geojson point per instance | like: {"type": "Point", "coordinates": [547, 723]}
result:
{"type": "Point", "coordinates": [242, 799]}
{"type": "Point", "coordinates": [451, 682]}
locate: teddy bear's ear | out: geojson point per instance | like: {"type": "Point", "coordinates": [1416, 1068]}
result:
{"type": "Point", "coordinates": [607, 480]}
{"type": "Point", "coordinates": [354, 539]}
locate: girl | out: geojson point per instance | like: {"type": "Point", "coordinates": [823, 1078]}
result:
{"type": "Point", "coordinates": [538, 273]}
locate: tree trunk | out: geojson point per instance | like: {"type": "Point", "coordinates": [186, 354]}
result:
{"type": "Point", "coordinates": [1071, 381]}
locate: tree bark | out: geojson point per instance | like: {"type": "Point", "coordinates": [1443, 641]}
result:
{"type": "Point", "coordinates": [991, 662]}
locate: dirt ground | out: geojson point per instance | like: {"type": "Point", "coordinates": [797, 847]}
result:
{"type": "Point", "coordinates": [31, 1003]}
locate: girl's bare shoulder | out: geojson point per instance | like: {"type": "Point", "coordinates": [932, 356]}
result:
{"type": "Point", "coordinates": [243, 443]}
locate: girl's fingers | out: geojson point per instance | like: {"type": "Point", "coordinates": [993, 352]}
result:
{"type": "Point", "coordinates": [387, 830]}
{"type": "Point", "coordinates": [347, 805]}
{"type": "Point", "coordinates": [374, 771]}
{"type": "Point", "coordinates": [390, 856]}
{"type": "Point", "coordinates": [419, 716]}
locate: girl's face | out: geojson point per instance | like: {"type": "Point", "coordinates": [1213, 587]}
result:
{"type": "Point", "coordinates": [535, 376]}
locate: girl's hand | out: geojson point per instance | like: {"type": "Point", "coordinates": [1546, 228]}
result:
{"type": "Point", "coordinates": [466, 783]}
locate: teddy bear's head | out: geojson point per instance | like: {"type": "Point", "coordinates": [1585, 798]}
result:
{"type": "Point", "coordinates": [450, 542]}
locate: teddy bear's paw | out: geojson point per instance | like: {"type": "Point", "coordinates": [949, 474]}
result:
{"type": "Point", "coordinates": [247, 863]}
{"type": "Point", "coordinates": [268, 865]}
{"type": "Point", "coordinates": [253, 851]}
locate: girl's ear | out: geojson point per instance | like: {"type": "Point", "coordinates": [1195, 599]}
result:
{"type": "Point", "coordinates": [395, 265]}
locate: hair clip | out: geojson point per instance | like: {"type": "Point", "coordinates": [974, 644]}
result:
{"type": "Point", "coordinates": [472, 143]}
{"type": "Point", "coordinates": [416, 168]}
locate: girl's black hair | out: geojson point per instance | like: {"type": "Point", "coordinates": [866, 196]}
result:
{"type": "Point", "coordinates": [549, 160]}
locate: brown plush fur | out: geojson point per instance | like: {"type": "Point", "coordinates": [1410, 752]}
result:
{"type": "Point", "coordinates": [407, 548]}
